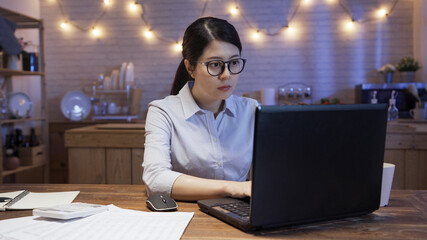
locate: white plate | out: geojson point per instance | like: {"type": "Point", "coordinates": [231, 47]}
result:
{"type": "Point", "coordinates": [107, 83]}
{"type": "Point", "coordinates": [130, 77]}
{"type": "Point", "coordinates": [19, 104]}
{"type": "Point", "coordinates": [115, 79]}
{"type": "Point", "coordinates": [75, 105]}
{"type": "Point", "coordinates": [122, 76]}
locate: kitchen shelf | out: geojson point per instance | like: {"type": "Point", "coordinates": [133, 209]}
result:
{"type": "Point", "coordinates": [21, 169]}
{"type": "Point", "coordinates": [128, 118]}
{"type": "Point", "coordinates": [25, 22]}
{"type": "Point", "coordinates": [9, 72]}
{"type": "Point", "coordinates": [18, 120]}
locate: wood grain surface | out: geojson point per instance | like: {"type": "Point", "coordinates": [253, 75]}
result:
{"type": "Point", "coordinates": [404, 218]}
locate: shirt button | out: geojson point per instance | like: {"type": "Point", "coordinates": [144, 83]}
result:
{"type": "Point", "coordinates": [219, 164]}
{"type": "Point", "coordinates": [214, 139]}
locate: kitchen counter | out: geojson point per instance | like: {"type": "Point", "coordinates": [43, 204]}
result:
{"type": "Point", "coordinates": [113, 153]}
{"type": "Point", "coordinates": [406, 147]}
{"type": "Point", "coordinates": [106, 153]}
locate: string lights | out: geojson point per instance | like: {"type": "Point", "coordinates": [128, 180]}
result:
{"type": "Point", "coordinates": [382, 13]}
{"type": "Point", "coordinates": [256, 34]}
{"type": "Point", "coordinates": [234, 10]}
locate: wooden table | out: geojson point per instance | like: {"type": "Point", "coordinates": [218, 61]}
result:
{"type": "Point", "coordinates": [404, 218]}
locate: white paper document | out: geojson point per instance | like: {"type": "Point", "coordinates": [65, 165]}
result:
{"type": "Point", "coordinates": [117, 223]}
{"type": "Point", "coordinates": [29, 200]}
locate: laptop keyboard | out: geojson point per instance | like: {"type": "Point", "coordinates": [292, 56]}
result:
{"type": "Point", "coordinates": [240, 208]}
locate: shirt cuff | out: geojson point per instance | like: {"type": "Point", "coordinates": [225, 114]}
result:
{"type": "Point", "coordinates": [163, 183]}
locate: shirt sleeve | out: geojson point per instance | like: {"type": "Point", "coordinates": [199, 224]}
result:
{"type": "Point", "coordinates": [157, 174]}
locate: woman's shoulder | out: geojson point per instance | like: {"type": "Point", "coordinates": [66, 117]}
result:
{"type": "Point", "coordinates": [167, 102]}
{"type": "Point", "coordinates": [244, 101]}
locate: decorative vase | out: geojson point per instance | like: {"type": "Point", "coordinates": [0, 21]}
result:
{"type": "Point", "coordinates": [387, 77]}
{"type": "Point", "coordinates": [408, 76]}
{"type": "Point", "coordinates": [14, 62]}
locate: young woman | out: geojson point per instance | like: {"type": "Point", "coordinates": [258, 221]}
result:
{"type": "Point", "coordinates": [199, 140]}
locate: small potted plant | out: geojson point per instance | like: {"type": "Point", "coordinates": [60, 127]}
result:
{"type": "Point", "coordinates": [407, 67]}
{"type": "Point", "coordinates": [387, 72]}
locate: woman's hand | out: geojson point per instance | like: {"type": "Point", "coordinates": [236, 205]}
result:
{"type": "Point", "coordinates": [239, 189]}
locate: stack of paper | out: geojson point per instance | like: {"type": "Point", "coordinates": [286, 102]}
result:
{"type": "Point", "coordinates": [116, 223]}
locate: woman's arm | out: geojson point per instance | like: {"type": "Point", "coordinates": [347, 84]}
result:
{"type": "Point", "coordinates": [191, 188]}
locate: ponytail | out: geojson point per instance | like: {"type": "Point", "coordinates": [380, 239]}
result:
{"type": "Point", "coordinates": [181, 78]}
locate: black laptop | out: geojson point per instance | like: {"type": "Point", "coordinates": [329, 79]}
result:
{"type": "Point", "coordinates": [310, 163]}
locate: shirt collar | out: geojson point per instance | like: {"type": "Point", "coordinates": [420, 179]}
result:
{"type": "Point", "coordinates": [190, 106]}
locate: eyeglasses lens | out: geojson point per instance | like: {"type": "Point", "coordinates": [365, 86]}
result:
{"type": "Point", "coordinates": [217, 67]}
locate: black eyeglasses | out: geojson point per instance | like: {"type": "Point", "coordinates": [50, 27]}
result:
{"type": "Point", "coordinates": [217, 67]}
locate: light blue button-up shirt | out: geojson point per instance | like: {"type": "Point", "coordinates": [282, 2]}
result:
{"type": "Point", "coordinates": [183, 138]}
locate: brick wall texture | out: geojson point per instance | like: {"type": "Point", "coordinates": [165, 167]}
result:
{"type": "Point", "coordinates": [320, 52]}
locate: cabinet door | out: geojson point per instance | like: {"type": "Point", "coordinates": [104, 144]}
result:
{"type": "Point", "coordinates": [118, 166]}
{"type": "Point", "coordinates": [397, 157]}
{"type": "Point", "coordinates": [86, 165]}
{"type": "Point", "coordinates": [416, 169]}
{"type": "Point", "coordinates": [137, 159]}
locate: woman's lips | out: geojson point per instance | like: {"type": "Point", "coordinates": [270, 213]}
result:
{"type": "Point", "coordinates": [224, 88]}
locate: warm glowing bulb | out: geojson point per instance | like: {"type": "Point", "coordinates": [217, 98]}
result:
{"type": "Point", "coordinates": [256, 35]}
{"type": "Point", "coordinates": [234, 10]}
{"type": "Point", "coordinates": [306, 2]}
{"type": "Point", "coordinates": [148, 33]}
{"type": "Point", "coordinates": [178, 47]}
{"type": "Point", "coordinates": [350, 25]}
{"type": "Point", "coordinates": [65, 25]}
{"type": "Point", "coordinates": [382, 12]}
{"type": "Point", "coordinates": [133, 6]}
{"type": "Point", "coordinates": [108, 2]}
{"type": "Point", "coordinates": [96, 32]}
{"type": "Point", "coordinates": [290, 29]}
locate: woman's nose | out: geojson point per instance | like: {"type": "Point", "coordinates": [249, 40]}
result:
{"type": "Point", "coordinates": [225, 75]}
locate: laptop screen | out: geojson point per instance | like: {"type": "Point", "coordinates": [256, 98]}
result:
{"type": "Point", "coordinates": [316, 162]}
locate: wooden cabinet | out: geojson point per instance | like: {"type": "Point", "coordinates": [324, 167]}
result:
{"type": "Point", "coordinates": [7, 125]}
{"type": "Point", "coordinates": [406, 147]}
{"type": "Point", "coordinates": [106, 153]}
{"type": "Point", "coordinates": [58, 153]}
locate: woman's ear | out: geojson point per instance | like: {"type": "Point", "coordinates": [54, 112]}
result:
{"type": "Point", "coordinates": [189, 68]}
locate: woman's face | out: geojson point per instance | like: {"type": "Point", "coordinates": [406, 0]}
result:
{"type": "Point", "coordinates": [208, 89]}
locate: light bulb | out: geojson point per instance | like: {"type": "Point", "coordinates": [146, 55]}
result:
{"type": "Point", "coordinates": [133, 6]}
{"type": "Point", "coordinates": [256, 35]}
{"type": "Point", "coordinates": [96, 32]}
{"type": "Point", "coordinates": [234, 10]}
{"type": "Point", "coordinates": [148, 33]}
{"type": "Point", "coordinates": [382, 12]}
{"type": "Point", "coordinates": [178, 47]}
{"type": "Point", "coordinates": [306, 2]}
{"type": "Point", "coordinates": [65, 25]}
{"type": "Point", "coordinates": [108, 2]}
{"type": "Point", "coordinates": [350, 25]}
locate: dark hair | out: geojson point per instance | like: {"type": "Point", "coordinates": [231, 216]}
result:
{"type": "Point", "coordinates": [196, 37]}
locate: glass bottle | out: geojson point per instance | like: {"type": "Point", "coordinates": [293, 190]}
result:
{"type": "Point", "coordinates": [33, 138]}
{"type": "Point", "coordinates": [11, 149]}
{"type": "Point", "coordinates": [393, 112]}
{"type": "Point", "coordinates": [374, 99]}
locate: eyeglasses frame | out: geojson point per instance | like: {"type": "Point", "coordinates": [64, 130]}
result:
{"type": "Point", "coordinates": [223, 66]}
